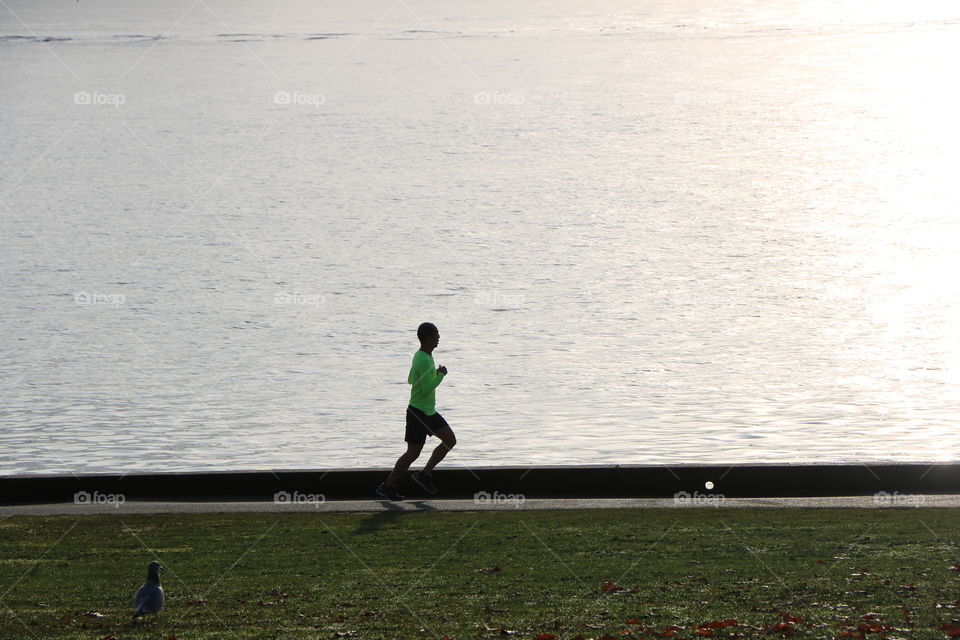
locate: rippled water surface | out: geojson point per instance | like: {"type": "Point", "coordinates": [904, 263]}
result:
{"type": "Point", "coordinates": [649, 233]}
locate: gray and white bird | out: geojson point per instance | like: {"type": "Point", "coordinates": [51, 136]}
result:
{"type": "Point", "coordinates": [149, 598]}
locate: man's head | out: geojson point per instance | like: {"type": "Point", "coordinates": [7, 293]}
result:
{"type": "Point", "coordinates": [428, 334]}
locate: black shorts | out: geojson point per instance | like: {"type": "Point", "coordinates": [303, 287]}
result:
{"type": "Point", "coordinates": [420, 425]}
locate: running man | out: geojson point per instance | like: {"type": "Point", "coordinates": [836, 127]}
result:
{"type": "Point", "coordinates": [422, 418]}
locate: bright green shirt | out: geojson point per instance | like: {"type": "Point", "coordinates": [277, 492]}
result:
{"type": "Point", "coordinates": [424, 378]}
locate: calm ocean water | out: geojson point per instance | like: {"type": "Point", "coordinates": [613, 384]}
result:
{"type": "Point", "coordinates": [649, 233]}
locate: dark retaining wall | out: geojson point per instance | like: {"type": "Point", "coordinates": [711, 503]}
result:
{"type": "Point", "coordinates": [532, 482]}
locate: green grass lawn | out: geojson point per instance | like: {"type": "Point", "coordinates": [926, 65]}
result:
{"type": "Point", "coordinates": [681, 573]}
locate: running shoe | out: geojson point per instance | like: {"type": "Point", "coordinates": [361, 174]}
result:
{"type": "Point", "coordinates": [390, 493]}
{"type": "Point", "coordinates": [425, 480]}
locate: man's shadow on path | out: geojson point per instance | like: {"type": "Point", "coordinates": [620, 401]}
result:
{"type": "Point", "coordinates": [390, 514]}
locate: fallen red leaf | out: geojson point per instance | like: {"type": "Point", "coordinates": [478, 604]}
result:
{"type": "Point", "coordinates": [781, 627]}
{"type": "Point", "coordinates": [612, 587]}
{"type": "Point", "coordinates": [789, 618]}
{"type": "Point", "coordinates": [667, 631]}
{"type": "Point", "coordinates": [545, 636]}
{"type": "Point", "coordinates": [488, 570]}
{"type": "Point", "coordinates": [719, 624]}
{"type": "Point", "coordinates": [953, 630]}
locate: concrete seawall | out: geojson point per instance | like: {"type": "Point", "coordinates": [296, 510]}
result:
{"type": "Point", "coordinates": [738, 481]}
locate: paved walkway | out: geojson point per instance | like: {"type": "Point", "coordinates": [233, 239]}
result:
{"type": "Point", "coordinates": [499, 503]}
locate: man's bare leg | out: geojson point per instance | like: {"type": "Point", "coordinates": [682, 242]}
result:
{"type": "Point", "coordinates": [403, 463]}
{"type": "Point", "coordinates": [447, 442]}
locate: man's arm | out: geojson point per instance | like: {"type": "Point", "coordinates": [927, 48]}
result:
{"type": "Point", "coordinates": [423, 374]}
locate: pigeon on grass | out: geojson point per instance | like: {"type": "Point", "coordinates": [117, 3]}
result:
{"type": "Point", "coordinates": [149, 598]}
